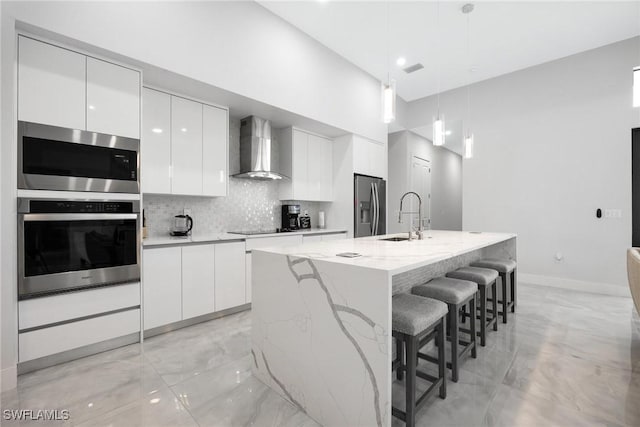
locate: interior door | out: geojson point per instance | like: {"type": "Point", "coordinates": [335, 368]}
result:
{"type": "Point", "coordinates": [421, 184]}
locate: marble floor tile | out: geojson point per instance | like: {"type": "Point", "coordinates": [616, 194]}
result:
{"type": "Point", "coordinates": [566, 358]}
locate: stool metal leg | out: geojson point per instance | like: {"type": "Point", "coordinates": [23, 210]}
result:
{"type": "Point", "coordinates": [505, 296]}
{"type": "Point", "coordinates": [494, 288]}
{"type": "Point", "coordinates": [514, 295]}
{"type": "Point", "coordinates": [412, 356]}
{"type": "Point", "coordinates": [472, 327]}
{"type": "Point", "coordinates": [453, 333]}
{"type": "Point", "coordinates": [400, 357]}
{"type": "Point", "coordinates": [483, 316]}
{"type": "Point", "coordinates": [442, 363]}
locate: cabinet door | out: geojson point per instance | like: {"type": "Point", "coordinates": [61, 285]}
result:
{"type": "Point", "coordinates": [113, 99]}
{"type": "Point", "coordinates": [311, 239]}
{"type": "Point", "coordinates": [198, 278]}
{"type": "Point", "coordinates": [230, 275]}
{"type": "Point", "coordinates": [315, 168]}
{"type": "Point", "coordinates": [162, 286]}
{"type": "Point", "coordinates": [156, 142]}
{"type": "Point", "coordinates": [337, 236]}
{"type": "Point", "coordinates": [186, 146]}
{"type": "Point", "coordinates": [51, 84]}
{"type": "Point", "coordinates": [299, 165]}
{"type": "Point", "coordinates": [247, 278]}
{"type": "Point", "coordinates": [215, 140]}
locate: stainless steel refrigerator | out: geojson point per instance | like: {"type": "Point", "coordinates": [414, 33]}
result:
{"type": "Point", "coordinates": [370, 213]}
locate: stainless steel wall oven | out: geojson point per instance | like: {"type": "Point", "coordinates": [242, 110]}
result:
{"type": "Point", "coordinates": [55, 158]}
{"type": "Point", "coordinates": [66, 245]}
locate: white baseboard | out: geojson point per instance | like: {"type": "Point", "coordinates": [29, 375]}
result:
{"type": "Point", "coordinates": [8, 378]}
{"type": "Point", "coordinates": [578, 285]}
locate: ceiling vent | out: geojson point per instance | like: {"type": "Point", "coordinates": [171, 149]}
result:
{"type": "Point", "coordinates": [412, 68]}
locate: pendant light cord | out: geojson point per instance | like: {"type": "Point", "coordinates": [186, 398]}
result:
{"type": "Point", "coordinates": [438, 51]}
{"type": "Point", "coordinates": [388, 43]}
{"type": "Point", "coordinates": [469, 74]}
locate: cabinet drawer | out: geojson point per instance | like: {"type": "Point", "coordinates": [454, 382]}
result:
{"type": "Point", "coordinates": [48, 341]}
{"type": "Point", "coordinates": [43, 311]}
{"type": "Point", "coordinates": [311, 239]}
{"type": "Point", "coordinates": [267, 242]}
{"type": "Point", "coordinates": [336, 236]}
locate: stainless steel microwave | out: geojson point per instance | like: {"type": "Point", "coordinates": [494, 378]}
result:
{"type": "Point", "coordinates": [55, 158]}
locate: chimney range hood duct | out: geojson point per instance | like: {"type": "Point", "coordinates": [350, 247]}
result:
{"type": "Point", "coordinates": [255, 150]}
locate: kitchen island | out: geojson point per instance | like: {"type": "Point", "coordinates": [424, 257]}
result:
{"type": "Point", "coordinates": [321, 323]}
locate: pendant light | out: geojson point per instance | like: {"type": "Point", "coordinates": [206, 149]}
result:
{"type": "Point", "coordinates": [438, 122]}
{"type": "Point", "coordinates": [468, 138]}
{"type": "Point", "coordinates": [388, 89]}
{"type": "Point", "coordinates": [636, 87]}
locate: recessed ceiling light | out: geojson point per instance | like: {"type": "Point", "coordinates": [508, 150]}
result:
{"type": "Point", "coordinates": [156, 130]}
{"type": "Point", "coordinates": [91, 107]}
{"type": "Point", "coordinates": [183, 129]}
{"type": "Point", "coordinates": [401, 61]}
{"type": "Point", "coordinates": [448, 133]}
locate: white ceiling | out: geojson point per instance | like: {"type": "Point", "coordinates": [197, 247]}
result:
{"type": "Point", "coordinates": [505, 36]}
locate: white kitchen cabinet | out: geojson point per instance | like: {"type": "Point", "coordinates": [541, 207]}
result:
{"type": "Point", "coordinates": [162, 275]}
{"type": "Point", "coordinates": [186, 146]}
{"type": "Point", "coordinates": [308, 160]}
{"type": "Point", "coordinates": [113, 99]}
{"type": "Point", "coordinates": [369, 157]}
{"type": "Point", "coordinates": [156, 142]}
{"type": "Point", "coordinates": [230, 275]}
{"type": "Point", "coordinates": [311, 239]}
{"type": "Point", "coordinates": [215, 124]}
{"type": "Point", "coordinates": [198, 280]}
{"type": "Point", "coordinates": [51, 84]}
{"type": "Point", "coordinates": [247, 278]}
{"type": "Point", "coordinates": [335, 236]}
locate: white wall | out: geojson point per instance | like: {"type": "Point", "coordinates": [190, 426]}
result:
{"type": "Point", "coordinates": [446, 180]}
{"type": "Point", "coordinates": [237, 46]}
{"type": "Point", "coordinates": [553, 144]}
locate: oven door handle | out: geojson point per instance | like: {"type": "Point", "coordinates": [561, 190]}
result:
{"type": "Point", "coordinates": [77, 217]}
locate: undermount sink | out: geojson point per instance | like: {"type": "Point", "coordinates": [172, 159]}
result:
{"type": "Point", "coordinates": [395, 239]}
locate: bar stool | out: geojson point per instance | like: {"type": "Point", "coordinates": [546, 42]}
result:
{"type": "Point", "coordinates": [486, 280]}
{"type": "Point", "coordinates": [456, 294]}
{"type": "Point", "coordinates": [506, 268]}
{"type": "Point", "coordinates": [415, 322]}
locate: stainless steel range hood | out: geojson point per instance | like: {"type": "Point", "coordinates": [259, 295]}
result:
{"type": "Point", "coordinates": [256, 148]}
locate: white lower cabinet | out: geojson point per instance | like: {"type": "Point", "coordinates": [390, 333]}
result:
{"type": "Point", "coordinates": [198, 278]}
{"type": "Point", "coordinates": [247, 278]}
{"type": "Point", "coordinates": [162, 275]}
{"type": "Point", "coordinates": [311, 239]}
{"type": "Point", "coordinates": [230, 275]}
{"type": "Point", "coordinates": [335, 236]}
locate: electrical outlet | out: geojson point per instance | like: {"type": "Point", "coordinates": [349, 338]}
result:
{"type": "Point", "coordinates": [186, 211]}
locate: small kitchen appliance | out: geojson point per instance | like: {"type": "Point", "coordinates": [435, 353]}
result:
{"type": "Point", "coordinates": [290, 217]}
{"type": "Point", "coordinates": [182, 225]}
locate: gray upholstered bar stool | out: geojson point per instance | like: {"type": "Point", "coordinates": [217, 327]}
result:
{"type": "Point", "coordinates": [457, 294]}
{"type": "Point", "coordinates": [415, 322]}
{"type": "Point", "coordinates": [506, 268]}
{"type": "Point", "coordinates": [486, 280]}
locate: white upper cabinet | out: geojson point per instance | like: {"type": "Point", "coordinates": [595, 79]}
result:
{"type": "Point", "coordinates": [198, 278]}
{"type": "Point", "coordinates": [369, 157]}
{"type": "Point", "coordinates": [113, 99]}
{"type": "Point", "coordinates": [186, 146]}
{"type": "Point", "coordinates": [51, 84]}
{"type": "Point", "coordinates": [308, 158]}
{"type": "Point", "coordinates": [156, 142]}
{"type": "Point", "coordinates": [215, 124]}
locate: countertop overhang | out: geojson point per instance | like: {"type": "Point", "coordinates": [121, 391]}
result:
{"type": "Point", "coordinates": [395, 257]}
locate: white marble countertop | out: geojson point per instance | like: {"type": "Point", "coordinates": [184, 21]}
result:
{"type": "Point", "coordinates": [395, 257]}
{"type": "Point", "coordinates": [219, 237]}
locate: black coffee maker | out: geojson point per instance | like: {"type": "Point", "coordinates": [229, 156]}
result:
{"type": "Point", "coordinates": [290, 217]}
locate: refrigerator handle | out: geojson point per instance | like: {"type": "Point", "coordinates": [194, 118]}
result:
{"type": "Point", "coordinates": [375, 208]}
{"type": "Point", "coordinates": [372, 201]}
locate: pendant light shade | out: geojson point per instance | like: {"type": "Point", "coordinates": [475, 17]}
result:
{"type": "Point", "coordinates": [636, 87]}
{"type": "Point", "coordinates": [438, 131]}
{"type": "Point", "coordinates": [468, 146]}
{"type": "Point", "coordinates": [389, 101]}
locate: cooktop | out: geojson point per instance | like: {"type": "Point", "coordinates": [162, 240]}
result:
{"type": "Point", "coordinates": [253, 232]}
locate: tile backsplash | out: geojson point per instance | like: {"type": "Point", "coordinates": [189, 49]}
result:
{"type": "Point", "coordinates": [250, 204]}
